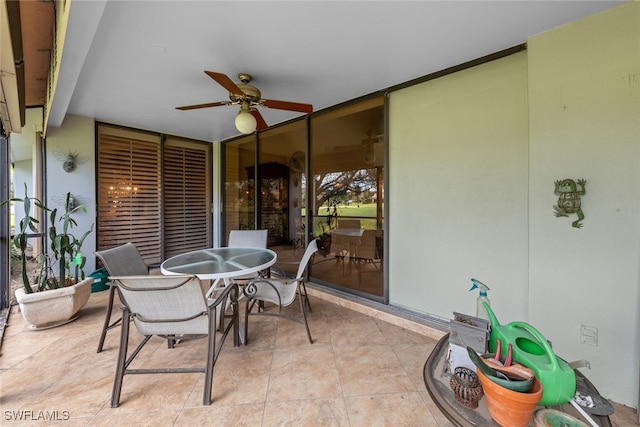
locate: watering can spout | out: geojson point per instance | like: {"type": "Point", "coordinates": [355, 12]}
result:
{"type": "Point", "coordinates": [492, 316]}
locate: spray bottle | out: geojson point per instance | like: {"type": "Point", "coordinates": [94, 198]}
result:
{"type": "Point", "coordinates": [480, 310]}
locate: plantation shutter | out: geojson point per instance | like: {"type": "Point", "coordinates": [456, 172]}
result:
{"type": "Point", "coordinates": [129, 191]}
{"type": "Point", "coordinates": [187, 196]}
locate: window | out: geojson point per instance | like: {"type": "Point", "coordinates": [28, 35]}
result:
{"type": "Point", "coordinates": [239, 201]}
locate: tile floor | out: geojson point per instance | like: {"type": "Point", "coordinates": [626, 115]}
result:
{"type": "Point", "coordinates": [360, 371]}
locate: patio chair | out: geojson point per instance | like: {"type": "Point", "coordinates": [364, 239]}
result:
{"type": "Point", "coordinates": [281, 292]}
{"type": "Point", "coordinates": [348, 223]}
{"type": "Point", "coordinates": [170, 306]}
{"type": "Point", "coordinates": [248, 238]}
{"type": "Point", "coordinates": [123, 260]}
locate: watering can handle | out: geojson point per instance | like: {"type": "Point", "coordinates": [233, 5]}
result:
{"type": "Point", "coordinates": [543, 341]}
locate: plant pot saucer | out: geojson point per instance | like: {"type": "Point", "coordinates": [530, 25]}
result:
{"type": "Point", "coordinates": [52, 325]}
{"type": "Point", "coordinates": [554, 418]}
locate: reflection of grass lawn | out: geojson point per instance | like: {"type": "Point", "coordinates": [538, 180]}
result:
{"type": "Point", "coordinates": [368, 210]}
{"type": "Point", "coordinates": [365, 212]}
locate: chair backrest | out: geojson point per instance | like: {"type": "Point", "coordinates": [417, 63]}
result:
{"type": "Point", "coordinates": [124, 260]}
{"type": "Point", "coordinates": [312, 248]}
{"type": "Point", "coordinates": [248, 238]}
{"type": "Point", "coordinates": [348, 223]}
{"type": "Point", "coordinates": [368, 245]}
{"type": "Point", "coordinates": [164, 305]}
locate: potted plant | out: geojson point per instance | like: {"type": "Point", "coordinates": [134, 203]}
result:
{"type": "Point", "coordinates": [58, 289]}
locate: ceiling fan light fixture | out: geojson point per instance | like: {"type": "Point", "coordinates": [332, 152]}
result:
{"type": "Point", "coordinates": [245, 122]}
{"type": "Point", "coordinates": [370, 155]}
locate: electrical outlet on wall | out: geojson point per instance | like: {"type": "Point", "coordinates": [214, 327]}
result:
{"type": "Point", "coordinates": [589, 335]}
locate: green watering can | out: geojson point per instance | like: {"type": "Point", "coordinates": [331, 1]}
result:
{"type": "Point", "coordinates": [532, 350]}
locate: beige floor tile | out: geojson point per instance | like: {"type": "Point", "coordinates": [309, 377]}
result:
{"type": "Point", "coordinates": [413, 357]}
{"type": "Point", "coordinates": [156, 391]}
{"type": "Point", "coordinates": [360, 371]}
{"type": "Point", "coordinates": [304, 373]}
{"type": "Point", "coordinates": [316, 412]}
{"type": "Point", "coordinates": [18, 348]}
{"type": "Point", "coordinates": [240, 378]}
{"type": "Point", "coordinates": [396, 335]}
{"type": "Point", "coordinates": [262, 334]}
{"type": "Point", "coordinates": [88, 396]}
{"type": "Point", "coordinates": [17, 392]}
{"type": "Point", "coordinates": [371, 369]}
{"type": "Point", "coordinates": [110, 417]}
{"type": "Point", "coordinates": [354, 331]}
{"type": "Point", "coordinates": [222, 415]}
{"type": "Point", "coordinates": [396, 409]}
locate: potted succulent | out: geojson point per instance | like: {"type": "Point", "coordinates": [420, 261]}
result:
{"type": "Point", "coordinates": [58, 289]}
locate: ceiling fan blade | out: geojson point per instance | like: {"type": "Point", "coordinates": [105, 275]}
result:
{"type": "Point", "coordinates": [207, 105]}
{"type": "Point", "coordinates": [287, 105]}
{"type": "Point", "coordinates": [343, 148]}
{"type": "Point", "coordinates": [224, 81]}
{"type": "Point", "coordinates": [260, 123]}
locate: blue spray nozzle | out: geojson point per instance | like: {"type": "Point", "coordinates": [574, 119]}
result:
{"type": "Point", "coordinates": [479, 285]}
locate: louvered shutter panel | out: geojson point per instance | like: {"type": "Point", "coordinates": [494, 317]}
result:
{"type": "Point", "coordinates": [129, 191]}
{"type": "Point", "coordinates": [187, 197]}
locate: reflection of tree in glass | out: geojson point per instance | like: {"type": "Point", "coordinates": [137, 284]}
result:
{"type": "Point", "coordinates": [335, 188]}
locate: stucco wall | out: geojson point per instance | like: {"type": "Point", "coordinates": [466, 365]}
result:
{"type": "Point", "coordinates": [458, 192]}
{"type": "Point", "coordinates": [584, 100]}
{"type": "Point", "coordinates": [472, 192]}
{"type": "Point", "coordinates": [77, 135]}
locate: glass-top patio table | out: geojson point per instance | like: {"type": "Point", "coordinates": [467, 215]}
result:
{"type": "Point", "coordinates": [221, 264]}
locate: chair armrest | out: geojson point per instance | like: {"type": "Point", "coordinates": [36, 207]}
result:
{"type": "Point", "coordinates": [278, 271]}
{"type": "Point", "coordinates": [230, 291]}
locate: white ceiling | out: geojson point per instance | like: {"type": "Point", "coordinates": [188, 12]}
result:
{"type": "Point", "coordinates": [133, 62]}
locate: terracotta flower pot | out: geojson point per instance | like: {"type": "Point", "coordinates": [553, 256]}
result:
{"type": "Point", "coordinates": [507, 407]}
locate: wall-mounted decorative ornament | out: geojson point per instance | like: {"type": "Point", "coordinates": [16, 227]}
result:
{"type": "Point", "coordinates": [70, 200]}
{"type": "Point", "coordinates": [569, 201]}
{"type": "Point", "coordinates": [70, 160]}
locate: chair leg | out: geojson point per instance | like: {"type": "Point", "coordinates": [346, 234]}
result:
{"type": "Point", "coordinates": [122, 359]}
{"type": "Point", "coordinates": [248, 307]}
{"type": "Point", "coordinates": [304, 315]}
{"type": "Point", "coordinates": [107, 319]}
{"type": "Point", "coordinates": [306, 297]}
{"type": "Point", "coordinates": [211, 360]}
{"type": "Point", "coordinates": [235, 309]}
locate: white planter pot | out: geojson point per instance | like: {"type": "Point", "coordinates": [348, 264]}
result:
{"type": "Point", "coordinates": [54, 307]}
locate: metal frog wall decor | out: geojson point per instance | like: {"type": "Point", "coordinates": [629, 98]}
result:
{"type": "Point", "coordinates": [569, 201]}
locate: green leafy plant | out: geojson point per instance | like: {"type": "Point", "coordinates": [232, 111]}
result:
{"type": "Point", "coordinates": [65, 247]}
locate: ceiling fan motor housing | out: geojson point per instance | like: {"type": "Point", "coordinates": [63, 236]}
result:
{"type": "Point", "coordinates": [250, 92]}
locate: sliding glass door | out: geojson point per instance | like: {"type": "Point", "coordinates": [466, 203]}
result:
{"type": "Point", "coordinates": [316, 178]}
{"type": "Point", "coordinates": [346, 203]}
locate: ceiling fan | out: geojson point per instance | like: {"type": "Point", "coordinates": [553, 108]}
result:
{"type": "Point", "coordinates": [248, 97]}
{"type": "Point", "coordinates": [366, 147]}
